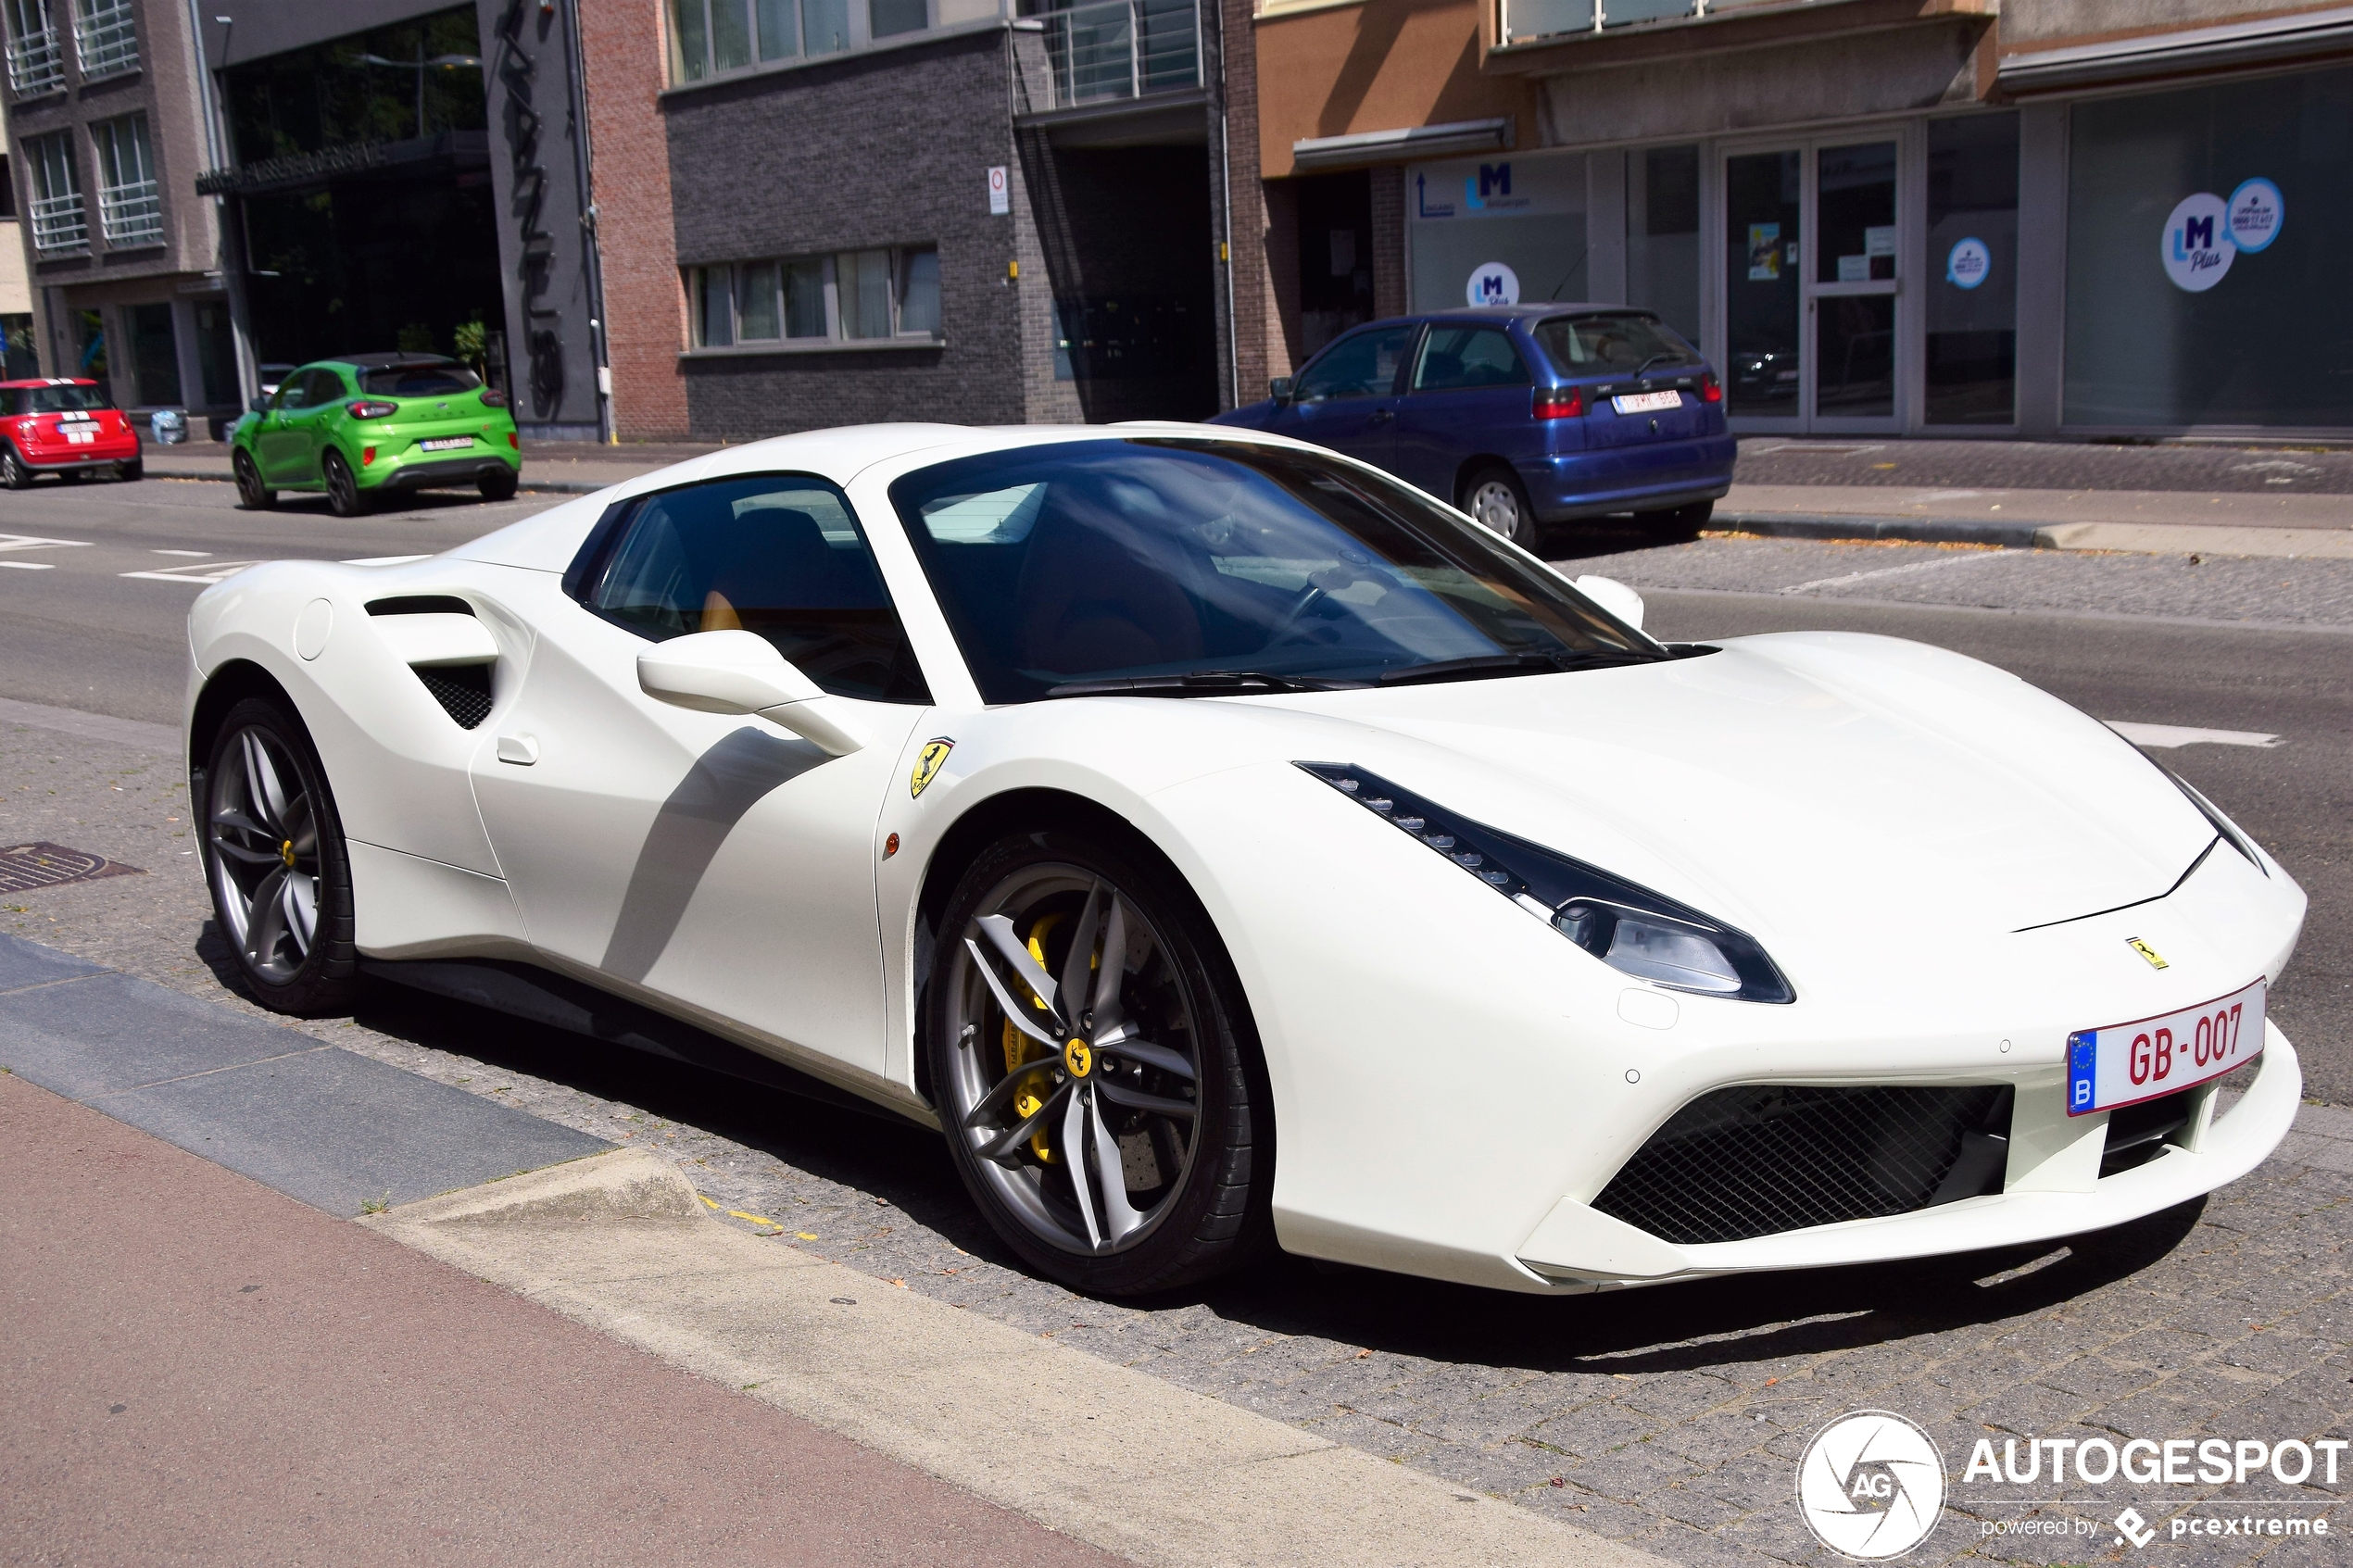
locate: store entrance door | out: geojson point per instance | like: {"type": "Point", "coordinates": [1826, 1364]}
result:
{"type": "Point", "coordinates": [1809, 285]}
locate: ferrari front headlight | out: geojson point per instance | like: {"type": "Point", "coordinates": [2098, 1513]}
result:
{"type": "Point", "coordinates": [1624, 924]}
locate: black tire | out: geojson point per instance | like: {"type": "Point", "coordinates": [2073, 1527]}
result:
{"type": "Point", "coordinates": [345, 498]}
{"type": "Point", "coordinates": [14, 473]}
{"type": "Point", "coordinates": [135, 468]}
{"type": "Point", "coordinates": [252, 494]}
{"type": "Point", "coordinates": [1212, 1215]}
{"type": "Point", "coordinates": [497, 485]}
{"type": "Point", "coordinates": [1495, 498]}
{"type": "Point", "coordinates": [284, 970]}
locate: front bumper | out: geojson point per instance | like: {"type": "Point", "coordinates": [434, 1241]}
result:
{"type": "Point", "coordinates": [2052, 1189]}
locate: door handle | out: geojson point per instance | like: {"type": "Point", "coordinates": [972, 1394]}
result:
{"type": "Point", "coordinates": [521, 751]}
{"type": "Point", "coordinates": [1383, 416]}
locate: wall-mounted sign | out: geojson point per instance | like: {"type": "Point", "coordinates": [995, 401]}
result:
{"type": "Point", "coordinates": [2196, 249]}
{"type": "Point", "coordinates": [2256, 211]}
{"type": "Point", "coordinates": [1493, 283]}
{"type": "Point", "coordinates": [1000, 196]}
{"type": "Point", "coordinates": [1967, 263]}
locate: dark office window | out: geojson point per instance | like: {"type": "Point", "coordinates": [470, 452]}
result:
{"type": "Point", "coordinates": [8, 188]}
{"type": "Point", "coordinates": [392, 83]}
{"type": "Point", "coordinates": [1972, 270]}
{"type": "Point", "coordinates": [154, 349]}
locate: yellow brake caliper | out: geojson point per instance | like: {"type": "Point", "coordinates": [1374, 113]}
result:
{"type": "Point", "coordinates": [1018, 1045]}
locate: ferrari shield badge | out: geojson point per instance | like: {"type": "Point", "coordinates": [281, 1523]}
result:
{"type": "Point", "coordinates": [2155, 961]}
{"type": "Point", "coordinates": [928, 766]}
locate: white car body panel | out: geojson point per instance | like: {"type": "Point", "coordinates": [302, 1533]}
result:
{"type": "Point", "coordinates": [1923, 844]}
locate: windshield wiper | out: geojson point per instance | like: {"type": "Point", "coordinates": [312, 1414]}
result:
{"type": "Point", "coordinates": [1199, 683]}
{"type": "Point", "coordinates": [1480, 666]}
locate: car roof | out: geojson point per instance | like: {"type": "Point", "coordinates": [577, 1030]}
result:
{"type": "Point", "coordinates": [380, 361]}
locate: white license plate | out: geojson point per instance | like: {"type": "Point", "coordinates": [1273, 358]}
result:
{"type": "Point", "coordinates": [1647, 402]}
{"type": "Point", "coordinates": [446, 443]}
{"type": "Point", "coordinates": [2124, 1063]}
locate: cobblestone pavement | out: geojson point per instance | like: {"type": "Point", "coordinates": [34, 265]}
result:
{"type": "Point", "coordinates": [1672, 1417]}
{"type": "Point", "coordinates": [2043, 465]}
{"type": "Point", "coordinates": [2251, 590]}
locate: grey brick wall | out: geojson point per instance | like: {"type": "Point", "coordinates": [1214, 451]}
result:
{"type": "Point", "coordinates": [881, 148]}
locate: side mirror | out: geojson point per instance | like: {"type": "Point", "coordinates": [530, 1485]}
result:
{"type": "Point", "coordinates": [742, 672]}
{"type": "Point", "coordinates": [1612, 596]}
{"type": "Point", "coordinates": [1279, 389]}
{"type": "Point", "coordinates": [260, 406]}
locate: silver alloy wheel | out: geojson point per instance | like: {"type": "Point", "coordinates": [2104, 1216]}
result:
{"type": "Point", "coordinates": [14, 473]}
{"type": "Point", "coordinates": [263, 836]}
{"type": "Point", "coordinates": [1494, 505]}
{"type": "Point", "coordinates": [1077, 1096]}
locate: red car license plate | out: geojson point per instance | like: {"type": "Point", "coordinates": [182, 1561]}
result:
{"type": "Point", "coordinates": [2125, 1063]}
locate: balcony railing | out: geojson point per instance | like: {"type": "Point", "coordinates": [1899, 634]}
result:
{"type": "Point", "coordinates": [105, 37]}
{"type": "Point", "coordinates": [1524, 19]}
{"type": "Point", "coordinates": [59, 223]}
{"type": "Point", "coordinates": [131, 215]}
{"type": "Point", "coordinates": [35, 64]}
{"type": "Point", "coordinates": [1123, 49]}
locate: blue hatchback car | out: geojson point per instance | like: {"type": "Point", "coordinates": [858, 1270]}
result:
{"type": "Point", "coordinates": [1520, 415]}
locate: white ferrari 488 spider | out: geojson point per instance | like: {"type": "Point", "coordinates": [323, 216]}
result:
{"type": "Point", "coordinates": [1226, 845]}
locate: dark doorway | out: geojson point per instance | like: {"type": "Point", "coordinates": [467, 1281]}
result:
{"type": "Point", "coordinates": [1334, 257]}
{"type": "Point", "coordinates": [1132, 257]}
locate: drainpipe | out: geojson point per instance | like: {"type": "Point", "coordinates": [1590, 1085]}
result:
{"type": "Point", "coordinates": [592, 254]}
{"type": "Point", "coordinates": [1226, 245]}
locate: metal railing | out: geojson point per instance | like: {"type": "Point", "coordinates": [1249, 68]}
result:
{"type": "Point", "coordinates": [105, 37]}
{"type": "Point", "coordinates": [133, 214]}
{"type": "Point", "coordinates": [1115, 49]}
{"type": "Point", "coordinates": [1524, 19]}
{"type": "Point", "coordinates": [59, 223]}
{"type": "Point", "coordinates": [36, 64]}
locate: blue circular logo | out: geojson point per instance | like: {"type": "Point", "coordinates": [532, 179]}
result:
{"type": "Point", "coordinates": [2256, 212]}
{"type": "Point", "coordinates": [1967, 263]}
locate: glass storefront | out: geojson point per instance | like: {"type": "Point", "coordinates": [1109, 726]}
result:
{"type": "Point", "coordinates": [2204, 236]}
{"type": "Point", "coordinates": [1970, 271]}
{"type": "Point", "coordinates": [1763, 298]}
{"type": "Point", "coordinates": [1497, 231]}
{"type": "Point", "coordinates": [1662, 234]}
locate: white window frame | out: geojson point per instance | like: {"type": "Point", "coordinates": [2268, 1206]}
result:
{"type": "Point", "coordinates": [698, 279]}
{"type": "Point", "coordinates": [129, 210]}
{"type": "Point", "coordinates": [105, 38]}
{"type": "Point", "coordinates": [37, 59]}
{"type": "Point", "coordinates": [60, 223]}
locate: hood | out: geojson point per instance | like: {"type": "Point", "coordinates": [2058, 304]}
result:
{"type": "Point", "coordinates": [1804, 776]}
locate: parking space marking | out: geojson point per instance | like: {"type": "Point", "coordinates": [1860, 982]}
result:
{"type": "Point", "coordinates": [204, 576]}
{"type": "Point", "coordinates": [1957, 559]}
{"type": "Point", "coordinates": [30, 565]}
{"type": "Point", "coordinates": [2181, 735]}
{"type": "Point", "coordinates": [28, 542]}
{"type": "Point", "coordinates": [198, 553]}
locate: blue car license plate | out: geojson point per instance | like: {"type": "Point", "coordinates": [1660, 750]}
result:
{"type": "Point", "coordinates": [2125, 1063]}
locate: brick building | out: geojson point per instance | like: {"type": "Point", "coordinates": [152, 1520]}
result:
{"type": "Point", "coordinates": [645, 319]}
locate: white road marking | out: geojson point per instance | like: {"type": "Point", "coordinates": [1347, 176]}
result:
{"type": "Point", "coordinates": [2180, 735]}
{"type": "Point", "coordinates": [1946, 495]}
{"type": "Point", "coordinates": [198, 553]}
{"type": "Point", "coordinates": [27, 542]}
{"type": "Point", "coordinates": [209, 572]}
{"type": "Point", "coordinates": [1957, 559]}
{"type": "Point", "coordinates": [30, 565]}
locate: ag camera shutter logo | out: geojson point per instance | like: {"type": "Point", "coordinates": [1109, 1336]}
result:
{"type": "Point", "coordinates": [1872, 1486]}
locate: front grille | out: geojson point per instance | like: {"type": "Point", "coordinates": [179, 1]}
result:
{"type": "Point", "coordinates": [1762, 1159]}
{"type": "Point", "coordinates": [461, 689]}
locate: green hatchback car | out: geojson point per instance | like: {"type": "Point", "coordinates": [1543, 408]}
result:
{"type": "Point", "coordinates": [371, 424]}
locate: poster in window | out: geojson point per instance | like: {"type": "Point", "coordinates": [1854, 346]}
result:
{"type": "Point", "coordinates": [1763, 253]}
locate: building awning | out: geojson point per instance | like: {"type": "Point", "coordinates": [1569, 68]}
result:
{"type": "Point", "coordinates": [1395, 146]}
{"type": "Point", "coordinates": [2266, 42]}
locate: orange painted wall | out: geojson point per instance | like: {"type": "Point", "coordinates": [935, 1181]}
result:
{"type": "Point", "coordinates": [1376, 65]}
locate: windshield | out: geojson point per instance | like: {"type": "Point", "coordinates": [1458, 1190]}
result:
{"type": "Point", "coordinates": [1619, 343]}
{"type": "Point", "coordinates": [417, 381]}
{"type": "Point", "coordinates": [56, 400]}
{"type": "Point", "coordinates": [1100, 560]}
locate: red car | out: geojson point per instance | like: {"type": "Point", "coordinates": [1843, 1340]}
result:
{"type": "Point", "coordinates": [62, 427]}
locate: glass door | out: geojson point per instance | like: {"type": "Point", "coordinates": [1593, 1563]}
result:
{"type": "Point", "coordinates": [1851, 286]}
{"type": "Point", "coordinates": [1810, 279]}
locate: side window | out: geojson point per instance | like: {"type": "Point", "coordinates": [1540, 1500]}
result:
{"type": "Point", "coordinates": [1456, 357]}
{"type": "Point", "coordinates": [776, 554]}
{"type": "Point", "coordinates": [326, 387]}
{"type": "Point", "coordinates": [1360, 365]}
{"type": "Point", "coordinates": [294, 393]}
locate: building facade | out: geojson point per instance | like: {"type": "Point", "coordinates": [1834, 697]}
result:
{"type": "Point", "coordinates": [951, 209]}
{"type": "Point", "coordinates": [2045, 218]}
{"type": "Point", "coordinates": [121, 258]}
